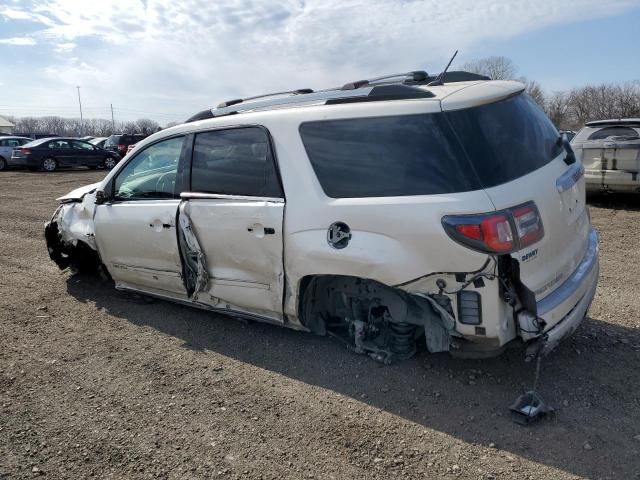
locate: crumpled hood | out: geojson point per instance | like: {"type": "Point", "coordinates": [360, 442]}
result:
{"type": "Point", "coordinates": [77, 194]}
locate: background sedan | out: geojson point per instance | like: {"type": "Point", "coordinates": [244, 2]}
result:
{"type": "Point", "coordinates": [49, 154]}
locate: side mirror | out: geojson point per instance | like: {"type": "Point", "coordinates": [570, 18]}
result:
{"type": "Point", "coordinates": [101, 197]}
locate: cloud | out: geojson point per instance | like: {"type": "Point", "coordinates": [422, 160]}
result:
{"type": "Point", "coordinates": [65, 47]}
{"type": "Point", "coordinates": [18, 41]}
{"type": "Point", "coordinates": [174, 58]}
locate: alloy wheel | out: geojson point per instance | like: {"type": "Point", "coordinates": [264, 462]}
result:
{"type": "Point", "coordinates": [49, 164]}
{"type": "Point", "coordinates": [109, 163]}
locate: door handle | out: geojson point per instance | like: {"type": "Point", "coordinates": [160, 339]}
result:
{"type": "Point", "coordinates": [158, 226]}
{"type": "Point", "coordinates": [259, 231]}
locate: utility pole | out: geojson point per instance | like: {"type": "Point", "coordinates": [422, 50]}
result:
{"type": "Point", "coordinates": [113, 122]}
{"type": "Point", "coordinates": [80, 104]}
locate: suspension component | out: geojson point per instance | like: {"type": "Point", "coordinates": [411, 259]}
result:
{"type": "Point", "coordinates": [403, 339]}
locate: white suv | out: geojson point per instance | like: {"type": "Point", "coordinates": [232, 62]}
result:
{"type": "Point", "coordinates": [386, 213]}
{"type": "Point", "coordinates": [610, 151]}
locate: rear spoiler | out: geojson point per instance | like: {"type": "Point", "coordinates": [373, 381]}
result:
{"type": "Point", "coordinates": [630, 122]}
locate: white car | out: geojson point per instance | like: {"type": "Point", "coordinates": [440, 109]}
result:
{"type": "Point", "coordinates": [384, 213]}
{"type": "Point", "coordinates": [610, 152]}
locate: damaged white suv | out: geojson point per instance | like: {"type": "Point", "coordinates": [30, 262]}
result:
{"type": "Point", "coordinates": [388, 213]}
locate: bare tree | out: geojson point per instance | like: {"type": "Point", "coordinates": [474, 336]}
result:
{"type": "Point", "coordinates": [534, 90]}
{"type": "Point", "coordinates": [147, 126]}
{"type": "Point", "coordinates": [496, 68]}
{"type": "Point", "coordinates": [557, 106]}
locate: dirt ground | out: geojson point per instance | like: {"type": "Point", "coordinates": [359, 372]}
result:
{"type": "Point", "coordinates": [96, 383]}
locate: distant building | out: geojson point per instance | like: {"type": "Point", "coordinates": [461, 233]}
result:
{"type": "Point", "coordinates": [6, 126]}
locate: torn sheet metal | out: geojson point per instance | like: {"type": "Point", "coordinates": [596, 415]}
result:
{"type": "Point", "coordinates": [194, 265]}
{"type": "Point", "coordinates": [79, 193]}
{"type": "Point", "coordinates": [75, 221]}
{"type": "Point", "coordinates": [70, 233]}
{"type": "Point", "coordinates": [437, 333]}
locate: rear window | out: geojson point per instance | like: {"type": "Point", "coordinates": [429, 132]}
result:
{"type": "Point", "coordinates": [507, 139]}
{"type": "Point", "coordinates": [429, 154]}
{"type": "Point", "coordinates": [613, 132]}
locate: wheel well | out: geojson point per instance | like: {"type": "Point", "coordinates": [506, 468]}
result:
{"type": "Point", "coordinates": [372, 317]}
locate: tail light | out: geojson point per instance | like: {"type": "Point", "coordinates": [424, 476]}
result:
{"type": "Point", "coordinates": [122, 147]}
{"type": "Point", "coordinates": [25, 151]}
{"type": "Point", "coordinates": [500, 232]}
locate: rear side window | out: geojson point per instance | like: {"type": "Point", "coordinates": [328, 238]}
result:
{"type": "Point", "coordinates": [507, 139]}
{"type": "Point", "coordinates": [234, 162]}
{"type": "Point", "coordinates": [387, 156]}
{"type": "Point", "coordinates": [613, 132]}
{"type": "Point", "coordinates": [60, 144]}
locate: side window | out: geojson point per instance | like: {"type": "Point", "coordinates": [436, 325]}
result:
{"type": "Point", "coordinates": [4, 143]}
{"type": "Point", "coordinates": [234, 162]}
{"type": "Point", "coordinates": [152, 173]}
{"type": "Point", "coordinates": [62, 144]}
{"type": "Point", "coordinates": [13, 143]}
{"type": "Point", "coordinates": [83, 146]}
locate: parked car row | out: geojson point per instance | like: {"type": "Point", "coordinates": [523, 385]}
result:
{"type": "Point", "coordinates": [51, 153]}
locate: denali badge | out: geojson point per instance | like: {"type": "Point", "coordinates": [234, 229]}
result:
{"type": "Point", "coordinates": [530, 255]}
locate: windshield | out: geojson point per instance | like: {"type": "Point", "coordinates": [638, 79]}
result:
{"type": "Point", "coordinates": [428, 154]}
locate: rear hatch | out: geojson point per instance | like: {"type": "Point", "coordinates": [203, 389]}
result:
{"type": "Point", "coordinates": [515, 151]}
{"type": "Point", "coordinates": [613, 148]}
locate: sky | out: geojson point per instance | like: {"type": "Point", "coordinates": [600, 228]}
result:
{"type": "Point", "coordinates": [167, 59]}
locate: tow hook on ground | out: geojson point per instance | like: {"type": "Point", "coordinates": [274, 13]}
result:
{"type": "Point", "coordinates": [530, 407]}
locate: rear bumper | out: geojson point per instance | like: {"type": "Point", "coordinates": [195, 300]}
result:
{"type": "Point", "coordinates": [17, 162]}
{"type": "Point", "coordinates": [564, 308]}
{"type": "Point", "coordinates": [611, 180]}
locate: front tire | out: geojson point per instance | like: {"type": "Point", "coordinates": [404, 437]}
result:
{"type": "Point", "coordinates": [49, 164]}
{"type": "Point", "coordinates": [109, 163]}
{"type": "Point", "coordinates": [3, 164]}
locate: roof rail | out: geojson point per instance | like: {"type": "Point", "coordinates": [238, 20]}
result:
{"type": "Point", "coordinates": [300, 91]}
{"type": "Point", "coordinates": [370, 90]}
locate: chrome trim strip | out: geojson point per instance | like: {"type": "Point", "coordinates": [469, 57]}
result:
{"type": "Point", "coordinates": [571, 284]}
{"type": "Point", "coordinates": [569, 178]}
{"type": "Point", "coordinates": [221, 196]}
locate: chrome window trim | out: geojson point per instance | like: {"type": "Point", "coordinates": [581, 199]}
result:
{"type": "Point", "coordinates": [223, 196]}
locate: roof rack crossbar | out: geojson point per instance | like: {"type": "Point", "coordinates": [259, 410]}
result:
{"type": "Point", "coordinates": [299, 91]}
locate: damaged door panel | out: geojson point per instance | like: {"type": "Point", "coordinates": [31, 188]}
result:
{"type": "Point", "coordinates": [194, 265]}
{"type": "Point", "coordinates": [239, 242]}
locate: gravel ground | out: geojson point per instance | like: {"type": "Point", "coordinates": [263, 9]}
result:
{"type": "Point", "coordinates": [96, 383]}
